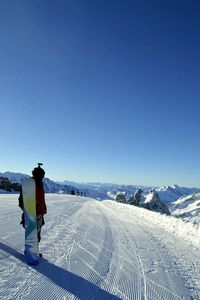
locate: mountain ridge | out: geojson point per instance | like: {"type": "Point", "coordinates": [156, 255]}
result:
{"type": "Point", "coordinates": [183, 202]}
{"type": "Point", "coordinates": [102, 191]}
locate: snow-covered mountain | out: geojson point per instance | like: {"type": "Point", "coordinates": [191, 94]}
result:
{"type": "Point", "coordinates": [93, 190]}
{"type": "Point", "coordinates": [182, 202]}
{"type": "Point", "coordinates": [103, 191]}
{"type": "Point", "coordinates": [153, 202]}
{"type": "Point", "coordinates": [53, 187]}
{"type": "Point", "coordinates": [187, 208]}
{"type": "Point", "coordinates": [49, 185]}
{"type": "Point", "coordinates": [172, 193]}
{"type": "Point", "coordinates": [14, 177]}
{"type": "Point", "coordinates": [106, 190]}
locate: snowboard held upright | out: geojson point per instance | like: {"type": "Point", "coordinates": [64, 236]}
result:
{"type": "Point", "coordinates": [31, 240]}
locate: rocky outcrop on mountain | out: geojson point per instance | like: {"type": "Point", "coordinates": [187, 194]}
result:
{"type": "Point", "coordinates": [153, 202]}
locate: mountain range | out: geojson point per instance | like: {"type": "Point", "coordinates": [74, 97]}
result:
{"type": "Point", "coordinates": [101, 191]}
{"type": "Point", "coordinates": [183, 202]}
{"type": "Point", "coordinates": [50, 186]}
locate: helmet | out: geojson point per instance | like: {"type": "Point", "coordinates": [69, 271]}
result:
{"type": "Point", "coordinates": [38, 172]}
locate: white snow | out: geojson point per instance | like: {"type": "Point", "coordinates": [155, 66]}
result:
{"type": "Point", "coordinates": [100, 250]}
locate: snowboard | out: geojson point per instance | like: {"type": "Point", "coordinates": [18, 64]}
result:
{"type": "Point", "coordinates": [31, 240]}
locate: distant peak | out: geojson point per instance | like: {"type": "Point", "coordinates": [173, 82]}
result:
{"type": "Point", "coordinates": [175, 186]}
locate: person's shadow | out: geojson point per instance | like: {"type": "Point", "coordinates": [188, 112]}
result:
{"type": "Point", "coordinates": [74, 284]}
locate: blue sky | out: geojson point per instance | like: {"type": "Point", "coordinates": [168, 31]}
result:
{"type": "Point", "coordinates": [104, 91]}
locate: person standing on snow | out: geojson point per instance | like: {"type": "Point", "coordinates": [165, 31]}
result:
{"type": "Point", "coordinates": [38, 175]}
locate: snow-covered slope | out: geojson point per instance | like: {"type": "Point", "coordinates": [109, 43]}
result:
{"type": "Point", "coordinates": [99, 250]}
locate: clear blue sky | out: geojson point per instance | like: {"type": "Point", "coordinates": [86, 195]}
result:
{"type": "Point", "coordinates": [104, 91]}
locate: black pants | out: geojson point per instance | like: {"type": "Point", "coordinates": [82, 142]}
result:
{"type": "Point", "coordinates": [39, 226]}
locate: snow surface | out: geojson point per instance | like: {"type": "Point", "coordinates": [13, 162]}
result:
{"type": "Point", "coordinates": [100, 250]}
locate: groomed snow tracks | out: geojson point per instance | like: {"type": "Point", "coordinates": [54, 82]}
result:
{"type": "Point", "coordinates": [92, 250]}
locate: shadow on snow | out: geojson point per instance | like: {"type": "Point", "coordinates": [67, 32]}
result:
{"type": "Point", "coordinates": [74, 284]}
